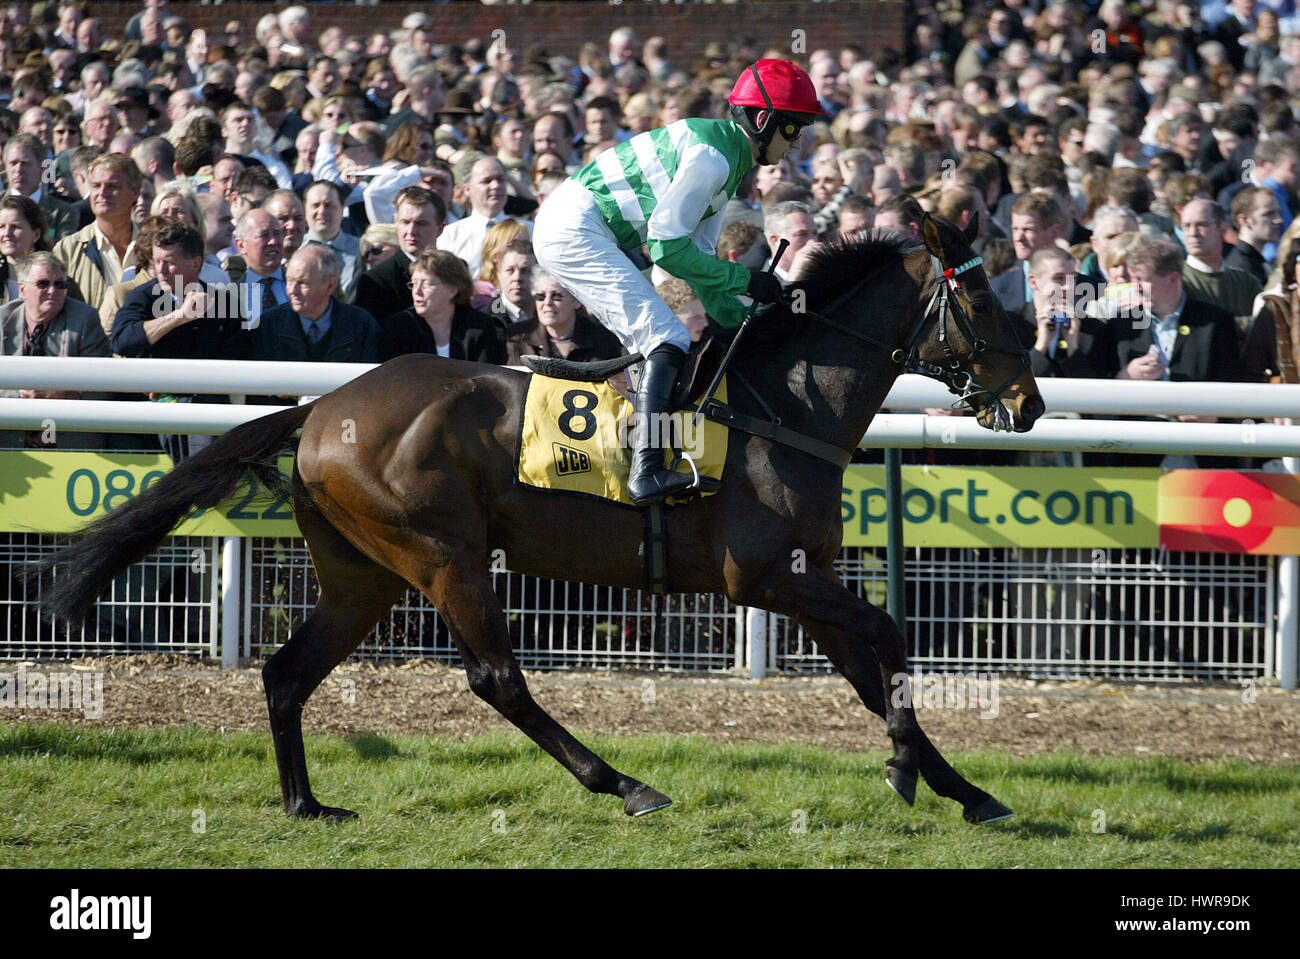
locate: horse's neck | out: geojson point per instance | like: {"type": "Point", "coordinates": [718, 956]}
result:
{"type": "Point", "coordinates": [827, 383]}
{"type": "Point", "coordinates": [828, 386]}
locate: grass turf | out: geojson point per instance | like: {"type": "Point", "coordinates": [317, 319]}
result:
{"type": "Point", "coordinates": [79, 796]}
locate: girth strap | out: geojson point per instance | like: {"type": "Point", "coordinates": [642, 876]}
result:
{"type": "Point", "coordinates": [654, 548]}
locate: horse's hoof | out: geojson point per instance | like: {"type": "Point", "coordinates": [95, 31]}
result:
{"type": "Point", "coordinates": [990, 810]}
{"type": "Point", "coordinates": [329, 813]}
{"type": "Point", "coordinates": [645, 800]}
{"type": "Point", "coordinates": [901, 782]}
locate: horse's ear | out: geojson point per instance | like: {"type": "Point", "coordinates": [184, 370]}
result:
{"type": "Point", "coordinates": [931, 235]}
{"type": "Point", "coordinates": [972, 228]}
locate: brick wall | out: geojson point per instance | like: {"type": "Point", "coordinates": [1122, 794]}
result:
{"type": "Point", "coordinates": [563, 27]}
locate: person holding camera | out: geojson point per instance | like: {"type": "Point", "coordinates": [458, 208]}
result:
{"type": "Point", "coordinates": [1066, 342]}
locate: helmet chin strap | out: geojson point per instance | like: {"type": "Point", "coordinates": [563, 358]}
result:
{"type": "Point", "coordinates": [763, 135]}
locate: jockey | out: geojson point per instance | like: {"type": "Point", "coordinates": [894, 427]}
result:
{"type": "Point", "coordinates": [666, 189]}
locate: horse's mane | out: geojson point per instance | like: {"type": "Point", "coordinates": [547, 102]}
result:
{"type": "Point", "coordinates": [840, 263]}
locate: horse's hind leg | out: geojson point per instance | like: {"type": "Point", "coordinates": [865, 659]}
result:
{"type": "Point", "coordinates": [461, 590]}
{"type": "Point", "coordinates": [355, 593]}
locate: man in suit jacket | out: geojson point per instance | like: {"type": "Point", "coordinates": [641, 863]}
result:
{"type": "Point", "coordinates": [1177, 338]}
{"type": "Point", "coordinates": [1239, 22]}
{"type": "Point", "coordinates": [1086, 347]}
{"type": "Point", "coordinates": [1036, 223]}
{"type": "Point", "coordinates": [256, 271]}
{"type": "Point", "coordinates": [178, 317]}
{"type": "Point", "coordinates": [43, 321]}
{"type": "Point", "coordinates": [314, 326]}
{"type": "Point", "coordinates": [95, 256]}
{"type": "Point", "coordinates": [323, 205]}
{"type": "Point", "coordinates": [386, 289]}
{"type": "Point", "coordinates": [23, 159]}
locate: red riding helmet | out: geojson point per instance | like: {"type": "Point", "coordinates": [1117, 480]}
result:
{"type": "Point", "coordinates": [782, 88]}
{"type": "Point", "coordinates": [787, 88]}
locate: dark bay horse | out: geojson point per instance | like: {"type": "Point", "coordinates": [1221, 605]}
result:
{"type": "Point", "coordinates": [406, 476]}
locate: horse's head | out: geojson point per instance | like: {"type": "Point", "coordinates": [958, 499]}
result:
{"type": "Point", "coordinates": [966, 339]}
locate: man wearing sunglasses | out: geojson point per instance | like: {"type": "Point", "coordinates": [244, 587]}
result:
{"type": "Point", "coordinates": [666, 189]}
{"type": "Point", "coordinates": [43, 321]}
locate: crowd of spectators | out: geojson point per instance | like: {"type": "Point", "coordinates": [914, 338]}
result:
{"type": "Point", "coordinates": [1132, 169]}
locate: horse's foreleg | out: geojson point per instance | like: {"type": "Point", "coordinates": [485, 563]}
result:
{"type": "Point", "coordinates": [466, 600]}
{"type": "Point", "coordinates": [856, 661]}
{"type": "Point", "coordinates": [866, 646]}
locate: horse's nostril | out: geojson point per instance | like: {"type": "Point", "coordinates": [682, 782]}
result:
{"type": "Point", "coordinates": [1032, 408]}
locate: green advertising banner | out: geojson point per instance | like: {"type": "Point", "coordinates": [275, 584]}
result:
{"type": "Point", "coordinates": [60, 492]}
{"type": "Point", "coordinates": [1022, 506]}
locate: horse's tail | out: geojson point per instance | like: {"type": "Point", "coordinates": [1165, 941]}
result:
{"type": "Point", "coordinates": [72, 577]}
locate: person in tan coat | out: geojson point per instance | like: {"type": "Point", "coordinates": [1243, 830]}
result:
{"type": "Point", "coordinates": [96, 255]}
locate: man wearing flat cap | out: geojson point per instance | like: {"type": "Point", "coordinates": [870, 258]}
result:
{"type": "Point", "coordinates": [134, 112]}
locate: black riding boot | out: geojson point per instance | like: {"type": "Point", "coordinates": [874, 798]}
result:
{"type": "Point", "coordinates": [650, 481]}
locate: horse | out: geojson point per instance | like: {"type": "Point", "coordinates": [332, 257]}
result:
{"type": "Point", "coordinates": [406, 476]}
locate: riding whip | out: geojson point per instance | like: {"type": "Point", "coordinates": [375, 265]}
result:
{"type": "Point", "coordinates": [722, 368]}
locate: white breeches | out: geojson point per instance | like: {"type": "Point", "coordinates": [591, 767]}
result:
{"type": "Point", "coordinates": [575, 244]}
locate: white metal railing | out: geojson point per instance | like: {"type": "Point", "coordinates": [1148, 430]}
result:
{"type": "Point", "coordinates": [889, 429]}
{"type": "Point", "coordinates": [553, 624]}
{"type": "Point", "coordinates": [121, 374]}
{"type": "Point", "coordinates": [1142, 614]}
{"type": "Point", "coordinates": [103, 374]}
{"type": "Point", "coordinates": [902, 430]}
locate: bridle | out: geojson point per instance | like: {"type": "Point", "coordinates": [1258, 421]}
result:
{"type": "Point", "coordinates": [955, 376]}
{"type": "Point", "coordinates": [959, 380]}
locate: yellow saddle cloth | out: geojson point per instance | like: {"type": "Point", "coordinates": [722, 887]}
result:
{"type": "Point", "coordinates": [575, 438]}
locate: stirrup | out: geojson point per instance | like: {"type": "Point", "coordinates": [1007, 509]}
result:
{"type": "Point", "coordinates": [695, 473]}
{"type": "Point", "coordinates": [659, 495]}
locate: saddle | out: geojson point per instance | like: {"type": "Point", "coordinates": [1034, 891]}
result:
{"type": "Point", "coordinates": [697, 372]}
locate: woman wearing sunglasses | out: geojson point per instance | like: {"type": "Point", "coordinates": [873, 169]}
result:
{"type": "Point", "coordinates": [378, 243]}
{"type": "Point", "coordinates": [665, 189]}
{"type": "Point", "coordinates": [561, 327]}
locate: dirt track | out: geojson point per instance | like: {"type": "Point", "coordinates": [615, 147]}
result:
{"type": "Point", "coordinates": [1194, 723]}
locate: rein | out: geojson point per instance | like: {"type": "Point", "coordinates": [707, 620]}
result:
{"type": "Point", "coordinates": [955, 376]}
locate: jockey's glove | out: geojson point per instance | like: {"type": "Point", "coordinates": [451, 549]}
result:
{"type": "Point", "coordinates": [764, 287]}
{"type": "Point", "coordinates": [765, 315]}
